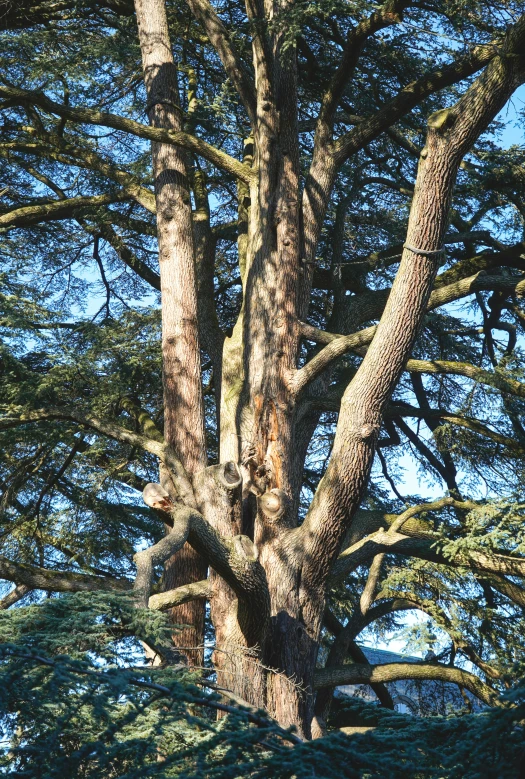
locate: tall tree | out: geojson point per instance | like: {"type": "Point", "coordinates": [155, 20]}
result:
{"type": "Point", "coordinates": [281, 137]}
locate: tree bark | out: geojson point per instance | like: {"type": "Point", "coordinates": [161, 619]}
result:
{"type": "Point", "coordinates": [183, 405]}
{"type": "Point", "coordinates": [270, 659]}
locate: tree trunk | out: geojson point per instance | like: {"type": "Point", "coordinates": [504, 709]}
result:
{"type": "Point", "coordinates": [183, 407]}
{"type": "Point", "coordinates": [268, 628]}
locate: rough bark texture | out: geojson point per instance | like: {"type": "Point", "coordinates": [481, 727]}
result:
{"type": "Point", "coordinates": [233, 533]}
{"type": "Point", "coordinates": [268, 577]}
{"type": "Point", "coordinates": [183, 406]}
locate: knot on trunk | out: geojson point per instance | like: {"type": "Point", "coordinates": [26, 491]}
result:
{"type": "Point", "coordinates": [443, 120]}
{"type": "Point", "coordinates": [244, 552]}
{"type": "Point", "coordinates": [368, 430]}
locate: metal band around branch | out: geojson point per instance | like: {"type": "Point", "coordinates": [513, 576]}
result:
{"type": "Point", "coordinates": [424, 252]}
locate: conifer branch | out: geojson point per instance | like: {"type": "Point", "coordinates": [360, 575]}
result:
{"type": "Point", "coordinates": [36, 213]}
{"type": "Point", "coordinates": [80, 115]}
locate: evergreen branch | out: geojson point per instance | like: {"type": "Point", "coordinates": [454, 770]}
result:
{"type": "Point", "coordinates": [220, 39]}
{"type": "Point", "coordinates": [384, 16]}
{"type": "Point", "coordinates": [440, 617]}
{"type": "Point", "coordinates": [469, 423]}
{"type": "Point", "coordinates": [58, 149]}
{"type": "Point", "coordinates": [417, 539]}
{"type": "Point", "coordinates": [36, 213]}
{"type": "Point", "coordinates": [105, 230]}
{"type": "Point", "coordinates": [497, 379]}
{"type": "Point", "coordinates": [191, 143]}
{"type": "Point", "coordinates": [118, 433]}
{"type": "Point", "coordinates": [506, 587]}
{"type": "Point", "coordinates": [253, 715]}
{"type": "Point", "coordinates": [338, 345]}
{"type": "Point", "coordinates": [31, 577]}
{"type": "Point", "coordinates": [409, 97]}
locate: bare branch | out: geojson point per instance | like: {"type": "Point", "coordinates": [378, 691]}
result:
{"type": "Point", "coordinates": [368, 594]}
{"type": "Point", "coordinates": [20, 591]}
{"type": "Point", "coordinates": [160, 552]}
{"type": "Point", "coordinates": [180, 595]}
{"type": "Point", "coordinates": [393, 672]}
{"type": "Point", "coordinates": [36, 578]}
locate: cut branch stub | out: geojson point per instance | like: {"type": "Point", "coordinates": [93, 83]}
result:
{"type": "Point", "coordinates": [273, 504]}
{"type": "Point", "coordinates": [156, 497]}
{"type": "Point", "coordinates": [229, 475]}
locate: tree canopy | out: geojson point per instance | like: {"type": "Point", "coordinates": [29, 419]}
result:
{"type": "Point", "coordinates": [264, 263]}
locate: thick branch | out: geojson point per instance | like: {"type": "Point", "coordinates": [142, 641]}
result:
{"type": "Point", "coordinates": [56, 209]}
{"type": "Point", "coordinates": [386, 15]}
{"type": "Point", "coordinates": [185, 594]}
{"type": "Point", "coordinates": [14, 596]}
{"type": "Point", "coordinates": [36, 578]}
{"type": "Point", "coordinates": [393, 672]}
{"type": "Point", "coordinates": [160, 552]}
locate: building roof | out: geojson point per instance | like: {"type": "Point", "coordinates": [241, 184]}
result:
{"type": "Point", "coordinates": [382, 656]}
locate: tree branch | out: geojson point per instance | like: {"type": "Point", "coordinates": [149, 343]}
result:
{"type": "Point", "coordinates": [386, 15]}
{"type": "Point", "coordinates": [220, 159]}
{"type": "Point", "coordinates": [409, 97]}
{"type": "Point", "coordinates": [35, 578]}
{"type": "Point", "coordinates": [393, 672]}
{"type": "Point", "coordinates": [180, 595]}
{"type": "Point", "coordinates": [160, 552]}
{"type": "Point", "coordinates": [338, 345]}
{"type": "Point", "coordinates": [20, 591]}
{"type": "Point", "coordinates": [118, 433]}
{"type": "Point", "coordinates": [56, 209]}
{"type": "Point", "coordinates": [59, 149]}
{"type": "Point", "coordinates": [220, 39]}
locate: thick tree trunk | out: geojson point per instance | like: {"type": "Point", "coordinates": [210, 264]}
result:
{"type": "Point", "coordinates": [183, 407]}
{"type": "Point", "coordinates": [267, 638]}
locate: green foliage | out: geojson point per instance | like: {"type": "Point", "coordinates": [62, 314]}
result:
{"type": "Point", "coordinates": [80, 338]}
{"type": "Point", "coordinates": [74, 702]}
